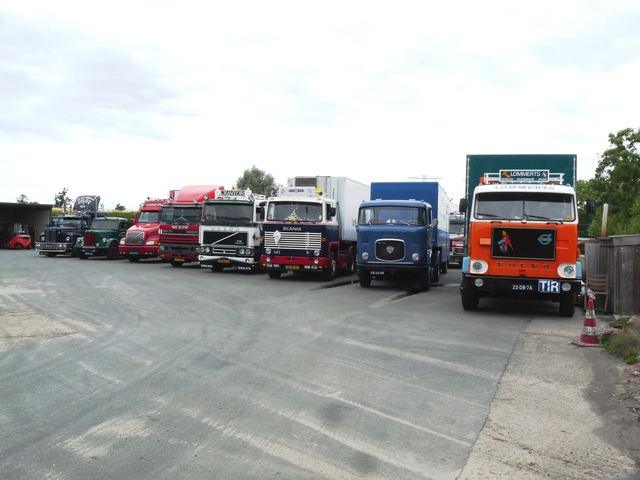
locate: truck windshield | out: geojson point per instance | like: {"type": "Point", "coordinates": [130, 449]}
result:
{"type": "Point", "coordinates": [294, 212]}
{"type": "Point", "coordinates": [456, 228]}
{"type": "Point", "coordinates": [69, 222]}
{"type": "Point", "coordinates": [228, 214]}
{"type": "Point", "coordinates": [100, 223]}
{"type": "Point", "coordinates": [181, 214]}
{"type": "Point", "coordinates": [149, 217]}
{"type": "Point", "coordinates": [392, 216]}
{"type": "Point", "coordinates": [525, 206]}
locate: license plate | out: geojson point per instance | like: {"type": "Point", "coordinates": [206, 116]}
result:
{"type": "Point", "coordinates": [522, 287]}
{"type": "Point", "coordinates": [293, 267]}
{"type": "Point", "coordinates": [224, 260]}
{"type": "Point", "coordinates": [178, 259]}
{"type": "Point", "coordinates": [133, 253]}
{"type": "Point", "coordinates": [549, 286]}
{"type": "Point", "coordinates": [377, 272]}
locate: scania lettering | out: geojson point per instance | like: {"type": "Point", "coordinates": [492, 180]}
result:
{"type": "Point", "coordinates": [310, 226]}
{"type": "Point", "coordinates": [231, 229]}
{"type": "Point", "coordinates": [521, 230]}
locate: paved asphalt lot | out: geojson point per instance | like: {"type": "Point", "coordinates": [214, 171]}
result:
{"type": "Point", "coordinates": [117, 370]}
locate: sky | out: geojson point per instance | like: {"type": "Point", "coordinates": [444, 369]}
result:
{"type": "Point", "coordinates": [131, 99]}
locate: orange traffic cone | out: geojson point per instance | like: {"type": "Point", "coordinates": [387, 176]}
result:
{"type": "Point", "coordinates": [589, 337]}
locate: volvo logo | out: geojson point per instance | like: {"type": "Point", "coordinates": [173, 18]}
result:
{"type": "Point", "coordinates": [545, 239]}
{"type": "Point", "coordinates": [390, 249]}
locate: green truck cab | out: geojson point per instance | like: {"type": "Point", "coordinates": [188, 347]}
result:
{"type": "Point", "coordinates": [102, 238]}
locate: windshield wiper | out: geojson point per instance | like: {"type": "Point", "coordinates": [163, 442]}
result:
{"type": "Point", "coordinates": [492, 215]}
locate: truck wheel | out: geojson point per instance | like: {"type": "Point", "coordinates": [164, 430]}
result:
{"type": "Point", "coordinates": [365, 278]}
{"type": "Point", "coordinates": [51, 254]}
{"type": "Point", "coordinates": [444, 266]}
{"type": "Point", "coordinates": [330, 270]}
{"type": "Point", "coordinates": [18, 246]}
{"type": "Point", "coordinates": [82, 255]}
{"type": "Point", "coordinates": [470, 299]}
{"type": "Point", "coordinates": [112, 252]}
{"type": "Point", "coordinates": [424, 280]}
{"type": "Point", "coordinates": [133, 258]}
{"type": "Point", "coordinates": [567, 304]}
{"type": "Point", "coordinates": [176, 264]}
{"type": "Point", "coordinates": [274, 274]}
{"type": "Point", "coordinates": [351, 262]}
{"type": "Point", "coordinates": [216, 267]}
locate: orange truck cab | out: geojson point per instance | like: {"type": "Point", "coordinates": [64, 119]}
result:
{"type": "Point", "coordinates": [521, 235]}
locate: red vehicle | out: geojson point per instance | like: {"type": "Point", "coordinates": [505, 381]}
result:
{"type": "Point", "coordinates": [15, 235]}
{"type": "Point", "coordinates": [141, 240]}
{"type": "Point", "coordinates": [180, 224]}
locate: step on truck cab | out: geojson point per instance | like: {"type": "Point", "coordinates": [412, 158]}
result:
{"type": "Point", "coordinates": [102, 238]}
{"type": "Point", "coordinates": [60, 237]}
{"type": "Point", "coordinates": [180, 220]}
{"type": "Point", "coordinates": [141, 240]}
{"type": "Point", "coordinates": [403, 233]}
{"type": "Point", "coordinates": [310, 226]}
{"type": "Point", "coordinates": [521, 230]}
{"type": "Point", "coordinates": [231, 230]}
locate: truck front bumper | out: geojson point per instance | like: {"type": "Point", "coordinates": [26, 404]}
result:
{"type": "Point", "coordinates": [535, 288]}
{"type": "Point", "coordinates": [54, 247]}
{"type": "Point", "coordinates": [139, 251]}
{"type": "Point", "coordinates": [286, 263]}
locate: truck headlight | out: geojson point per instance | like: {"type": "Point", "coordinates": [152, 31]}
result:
{"type": "Point", "coordinates": [478, 266]}
{"type": "Point", "coordinates": [267, 251]}
{"type": "Point", "coordinates": [567, 270]}
{"type": "Point", "coordinates": [365, 255]}
{"type": "Point", "coordinates": [66, 239]}
{"type": "Point", "coordinates": [415, 257]}
{"type": "Point", "coordinates": [316, 253]}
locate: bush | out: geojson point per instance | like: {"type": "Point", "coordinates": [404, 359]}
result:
{"type": "Point", "coordinates": [625, 343]}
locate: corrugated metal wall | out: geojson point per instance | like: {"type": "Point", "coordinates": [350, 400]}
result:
{"type": "Point", "coordinates": [620, 258]}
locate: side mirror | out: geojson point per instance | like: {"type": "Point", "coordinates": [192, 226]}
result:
{"type": "Point", "coordinates": [591, 206]}
{"type": "Point", "coordinates": [332, 212]}
{"type": "Point", "coordinates": [135, 218]}
{"type": "Point", "coordinates": [435, 223]}
{"type": "Point", "coordinates": [353, 222]}
{"type": "Point", "coordinates": [462, 206]}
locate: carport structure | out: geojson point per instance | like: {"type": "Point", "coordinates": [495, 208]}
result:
{"type": "Point", "coordinates": [36, 215]}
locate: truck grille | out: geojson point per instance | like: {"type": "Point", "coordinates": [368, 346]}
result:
{"type": "Point", "coordinates": [390, 250]}
{"type": "Point", "coordinates": [220, 239]}
{"type": "Point", "coordinates": [294, 240]}
{"type": "Point", "coordinates": [90, 239]}
{"type": "Point", "coordinates": [135, 238]}
{"type": "Point", "coordinates": [184, 237]}
{"type": "Point", "coordinates": [523, 243]}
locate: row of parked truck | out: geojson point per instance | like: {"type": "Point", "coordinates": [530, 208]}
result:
{"type": "Point", "coordinates": [515, 234]}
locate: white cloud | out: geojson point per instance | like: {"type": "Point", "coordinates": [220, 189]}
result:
{"type": "Point", "coordinates": [135, 98]}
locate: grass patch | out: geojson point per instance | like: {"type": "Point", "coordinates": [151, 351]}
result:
{"type": "Point", "coordinates": [624, 342]}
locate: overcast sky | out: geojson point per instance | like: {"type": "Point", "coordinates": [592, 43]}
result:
{"type": "Point", "coordinates": [130, 99]}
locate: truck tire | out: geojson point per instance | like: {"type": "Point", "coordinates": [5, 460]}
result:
{"type": "Point", "coordinates": [567, 304]}
{"type": "Point", "coordinates": [329, 272]}
{"type": "Point", "coordinates": [82, 255]}
{"type": "Point", "coordinates": [351, 262]}
{"type": "Point", "coordinates": [274, 274]}
{"type": "Point", "coordinates": [424, 279]}
{"type": "Point", "coordinates": [444, 267]}
{"type": "Point", "coordinates": [51, 254]}
{"type": "Point", "coordinates": [176, 264]}
{"type": "Point", "coordinates": [216, 267]}
{"type": "Point", "coordinates": [112, 252]}
{"type": "Point", "coordinates": [365, 279]}
{"type": "Point", "coordinates": [133, 258]}
{"type": "Point", "coordinates": [470, 299]}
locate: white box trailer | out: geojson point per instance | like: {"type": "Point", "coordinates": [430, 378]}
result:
{"type": "Point", "coordinates": [348, 194]}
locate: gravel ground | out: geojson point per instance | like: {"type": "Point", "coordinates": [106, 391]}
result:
{"type": "Point", "coordinates": [561, 411]}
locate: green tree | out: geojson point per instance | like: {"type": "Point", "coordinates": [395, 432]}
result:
{"type": "Point", "coordinates": [22, 199]}
{"type": "Point", "coordinates": [61, 199]}
{"type": "Point", "coordinates": [120, 208]}
{"type": "Point", "coordinates": [258, 181]}
{"type": "Point", "coordinates": [616, 183]}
